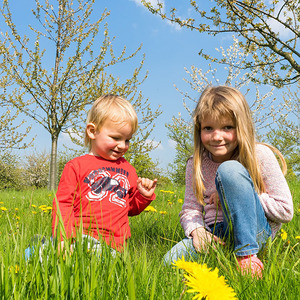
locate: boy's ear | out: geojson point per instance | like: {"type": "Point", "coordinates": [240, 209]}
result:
{"type": "Point", "coordinates": [91, 130]}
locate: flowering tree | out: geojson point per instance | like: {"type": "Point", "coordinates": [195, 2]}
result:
{"type": "Point", "coordinates": [268, 30]}
{"type": "Point", "coordinates": [10, 135]}
{"type": "Point", "coordinates": [266, 112]}
{"type": "Point", "coordinates": [54, 87]}
{"type": "Point", "coordinates": [286, 137]}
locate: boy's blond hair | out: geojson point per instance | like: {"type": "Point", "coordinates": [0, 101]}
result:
{"type": "Point", "coordinates": [225, 101]}
{"type": "Point", "coordinates": [112, 107]}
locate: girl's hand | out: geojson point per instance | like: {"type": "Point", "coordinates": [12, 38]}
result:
{"type": "Point", "coordinates": [146, 186]}
{"type": "Point", "coordinates": [214, 199]}
{"type": "Point", "coordinates": [202, 239]}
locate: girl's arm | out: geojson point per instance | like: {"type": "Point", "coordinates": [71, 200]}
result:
{"type": "Point", "coordinates": [191, 215]}
{"type": "Point", "coordinates": [277, 200]}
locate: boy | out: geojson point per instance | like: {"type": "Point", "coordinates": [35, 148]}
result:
{"type": "Point", "coordinates": [98, 191]}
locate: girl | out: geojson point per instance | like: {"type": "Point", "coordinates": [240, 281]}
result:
{"type": "Point", "coordinates": [235, 189]}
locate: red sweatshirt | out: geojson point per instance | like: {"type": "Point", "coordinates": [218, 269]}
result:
{"type": "Point", "coordinates": [98, 195]}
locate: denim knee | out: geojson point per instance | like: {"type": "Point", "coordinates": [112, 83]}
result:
{"type": "Point", "coordinates": [232, 168]}
{"type": "Point", "coordinates": [184, 249]}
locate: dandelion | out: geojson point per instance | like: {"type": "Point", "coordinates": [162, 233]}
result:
{"type": "Point", "coordinates": [3, 208]}
{"type": "Point", "coordinates": [205, 282]}
{"type": "Point", "coordinates": [42, 206]}
{"type": "Point", "coordinates": [17, 268]}
{"type": "Point", "coordinates": [170, 192]}
{"type": "Point", "coordinates": [283, 234]}
{"type": "Point", "coordinates": [1, 202]}
{"type": "Point", "coordinates": [33, 205]}
{"type": "Point", "coordinates": [187, 266]}
{"type": "Point", "coordinates": [163, 212]}
{"type": "Point", "coordinates": [180, 201]}
{"type": "Point", "coordinates": [16, 209]}
{"type": "Point", "coordinates": [49, 207]}
{"type": "Point", "coordinates": [34, 212]}
{"type": "Point", "coordinates": [150, 208]}
{"type": "Point", "coordinates": [14, 269]}
{"type": "Point", "coordinates": [298, 237]}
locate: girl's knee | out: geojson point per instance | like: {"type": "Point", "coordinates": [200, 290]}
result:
{"type": "Point", "coordinates": [232, 170]}
{"type": "Point", "coordinates": [230, 166]}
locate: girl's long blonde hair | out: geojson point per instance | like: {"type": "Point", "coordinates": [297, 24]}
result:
{"type": "Point", "coordinates": [225, 101]}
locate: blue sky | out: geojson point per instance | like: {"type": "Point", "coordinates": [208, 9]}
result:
{"type": "Point", "coordinates": [168, 50]}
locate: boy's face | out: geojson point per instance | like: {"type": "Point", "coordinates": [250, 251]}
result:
{"type": "Point", "coordinates": [112, 140]}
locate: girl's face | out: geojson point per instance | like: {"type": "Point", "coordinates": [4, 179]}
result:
{"type": "Point", "coordinates": [218, 136]}
{"type": "Point", "coordinates": [112, 141]}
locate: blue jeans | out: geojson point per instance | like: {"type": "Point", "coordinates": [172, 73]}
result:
{"type": "Point", "coordinates": [91, 244]}
{"type": "Point", "coordinates": [244, 225]}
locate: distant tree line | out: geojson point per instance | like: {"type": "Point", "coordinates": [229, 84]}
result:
{"type": "Point", "coordinates": [32, 170]}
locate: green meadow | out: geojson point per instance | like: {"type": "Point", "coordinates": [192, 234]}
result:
{"type": "Point", "coordinates": [137, 273]}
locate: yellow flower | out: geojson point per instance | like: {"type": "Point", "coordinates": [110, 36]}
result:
{"type": "Point", "coordinates": [150, 208]}
{"type": "Point", "coordinates": [180, 200]}
{"type": "Point", "coordinates": [33, 205]}
{"type": "Point", "coordinates": [16, 209]}
{"type": "Point", "coordinates": [34, 212]}
{"type": "Point", "coordinates": [163, 212]}
{"type": "Point", "coordinates": [17, 268]}
{"type": "Point", "coordinates": [14, 269]}
{"type": "Point", "coordinates": [50, 195]}
{"type": "Point", "coordinates": [170, 192]}
{"type": "Point", "coordinates": [205, 282]}
{"type": "Point", "coordinates": [49, 207]}
{"type": "Point", "coordinates": [3, 208]}
{"type": "Point", "coordinates": [298, 237]}
{"type": "Point", "coordinates": [1, 202]}
{"type": "Point", "coordinates": [187, 266]}
{"type": "Point", "coordinates": [283, 235]}
{"type": "Point", "coordinates": [42, 206]}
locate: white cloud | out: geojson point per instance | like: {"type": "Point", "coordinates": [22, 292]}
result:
{"type": "Point", "coordinates": [153, 2]}
{"type": "Point", "coordinates": [65, 138]}
{"type": "Point", "coordinates": [277, 26]}
{"type": "Point", "coordinates": [172, 144]}
{"type": "Point", "coordinates": [155, 144]}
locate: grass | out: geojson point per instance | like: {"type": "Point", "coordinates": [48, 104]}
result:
{"type": "Point", "coordinates": [138, 273]}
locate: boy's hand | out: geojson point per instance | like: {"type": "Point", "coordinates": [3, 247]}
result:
{"type": "Point", "coordinates": [146, 186]}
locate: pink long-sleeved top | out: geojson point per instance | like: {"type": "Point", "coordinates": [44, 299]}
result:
{"type": "Point", "coordinates": [276, 201]}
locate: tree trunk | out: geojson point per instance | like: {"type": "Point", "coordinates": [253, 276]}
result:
{"type": "Point", "coordinates": [53, 164]}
